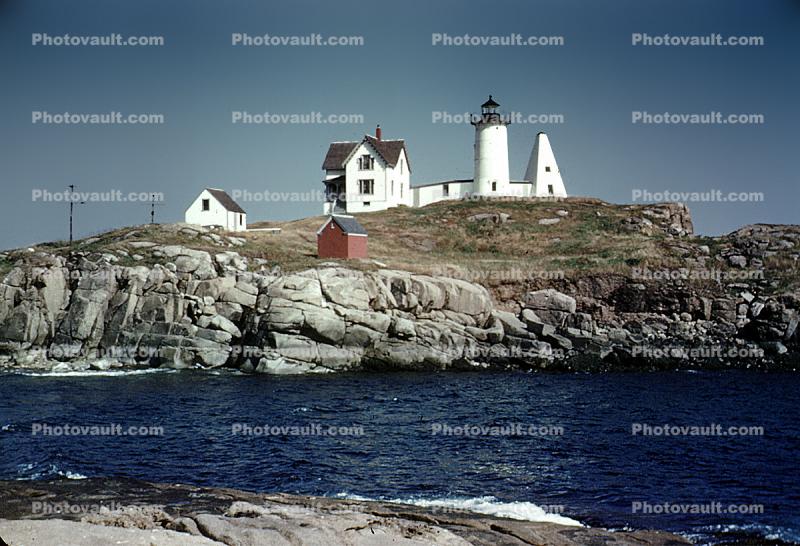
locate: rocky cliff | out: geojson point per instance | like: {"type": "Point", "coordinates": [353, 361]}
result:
{"type": "Point", "coordinates": [146, 300]}
{"type": "Point", "coordinates": [100, 512]}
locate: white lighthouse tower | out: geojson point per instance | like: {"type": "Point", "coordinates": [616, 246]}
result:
{"type": "Point", "coordinates": [491, 152]}
{"type": "Point", "coordinates": [542, 172]}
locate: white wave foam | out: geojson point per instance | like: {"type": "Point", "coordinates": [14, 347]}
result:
{"type": "Point", "coordinates": [767, 532]}
{"type": "Point", "coordinates": [96, 373]}
{"type": "Point", "coordinates": [490, 506]}
{"type": "Point", "coordinates": [219, 371]}
{"type": "Point", "coordinates": [71, 475]}
{"type": "Point", "coordinates": [46, 471]}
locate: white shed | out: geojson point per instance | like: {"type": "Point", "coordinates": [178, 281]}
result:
{"type": "Point", "coordinates": [214, 207]}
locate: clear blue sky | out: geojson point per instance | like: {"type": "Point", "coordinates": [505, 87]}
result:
{"type": "Point", "coordinates": [396, 79]}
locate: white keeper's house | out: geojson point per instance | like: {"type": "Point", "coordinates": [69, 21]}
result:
{"type": "Point", "coordinates": [215, 208]}
{"type": "Point", "coordinates": [374, 174]}
{"type": "Point", "coordinates": [366, 175]}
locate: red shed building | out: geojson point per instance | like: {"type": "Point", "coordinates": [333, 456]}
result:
{"type": "Point", "coordinates": [342, 237]}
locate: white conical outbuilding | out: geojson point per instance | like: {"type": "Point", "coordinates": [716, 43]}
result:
{"type": "Point", "coordinates": [542, 172]}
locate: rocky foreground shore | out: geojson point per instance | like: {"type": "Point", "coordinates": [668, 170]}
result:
{"type": "Point", "coordinates": [133, 302]}
{"type": "Point", "coordinates": [98, 512]}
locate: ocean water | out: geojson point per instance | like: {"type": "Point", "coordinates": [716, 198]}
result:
{"type": "Point", "coordinates": [572, 458]}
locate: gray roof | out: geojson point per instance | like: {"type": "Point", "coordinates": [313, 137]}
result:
{"type": "Point", "coordinates": [226, 200]}
{"type": "Point", "coordinates": [337, 153]}
{"type": "Point", "coordinates": [350, 225]}
{"type": "Point", "coordinates": [389, 150]}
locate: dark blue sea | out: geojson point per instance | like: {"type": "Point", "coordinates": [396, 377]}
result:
{"type": "Point", "coordinates": [590, 467]}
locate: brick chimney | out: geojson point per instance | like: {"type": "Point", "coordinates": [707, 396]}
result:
{"type": "Point", "coordinates": [378, 132]}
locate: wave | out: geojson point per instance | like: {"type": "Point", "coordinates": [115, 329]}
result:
{"type": "Point", "coordinates": [34, 471]}
{"type": "Point", "coordinates": [94, 373]}
{"type": "Point", "coordinates": [755, 530]}
{"type": "Point", "coordinates": [218, 371]}
{"type": "Point", "coordinates": [488, 505]}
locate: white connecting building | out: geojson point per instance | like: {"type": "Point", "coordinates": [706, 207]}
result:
{"type": "Point", "coordinates": [374, 174]}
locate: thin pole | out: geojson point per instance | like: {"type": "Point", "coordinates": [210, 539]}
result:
{"type": "Point", "coordinates": [71, 205]}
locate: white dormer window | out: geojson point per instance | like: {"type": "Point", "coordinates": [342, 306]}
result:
{"type": "Point", "coordinates": [366, 163]}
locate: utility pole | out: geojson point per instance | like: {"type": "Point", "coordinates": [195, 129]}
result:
{"type": "Point", "coordinates": [71, 209]}
{"type": "Point", "coordinates": [153, 206]}
{"type": "Point", "coordinates": [71, 206]}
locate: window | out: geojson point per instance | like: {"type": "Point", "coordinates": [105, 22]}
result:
{"type": "Point", "coordinates": [392, 188]}
{"type": "Point", "coordinates": [206, 205]}
{"type": "Point", "coordinates": [401, 190]}
{"type": "Point", "coordinates": [402, 161]}
{"type": "Point", "coordinates": [366, 203]}
{"type": "Point", "coordinates": [446, 190]}
{"type": "Point", "coordinates": [550, 189]}
{"type": "Point", "coordinates": [366, 163]}
{"type": "Point", "coordinates": [494, 186]}
{"type": "Point", "coordinates": [241, 219]}
{"type": "Point", "coordinates": [547, 169]}
{"type": "Point", "coordinates": [366, 187]}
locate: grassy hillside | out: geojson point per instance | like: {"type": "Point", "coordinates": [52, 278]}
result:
{"type": "Point", "coordinates": [580, 237]}
{"type": "Point", "coordinates": [589, 234]}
